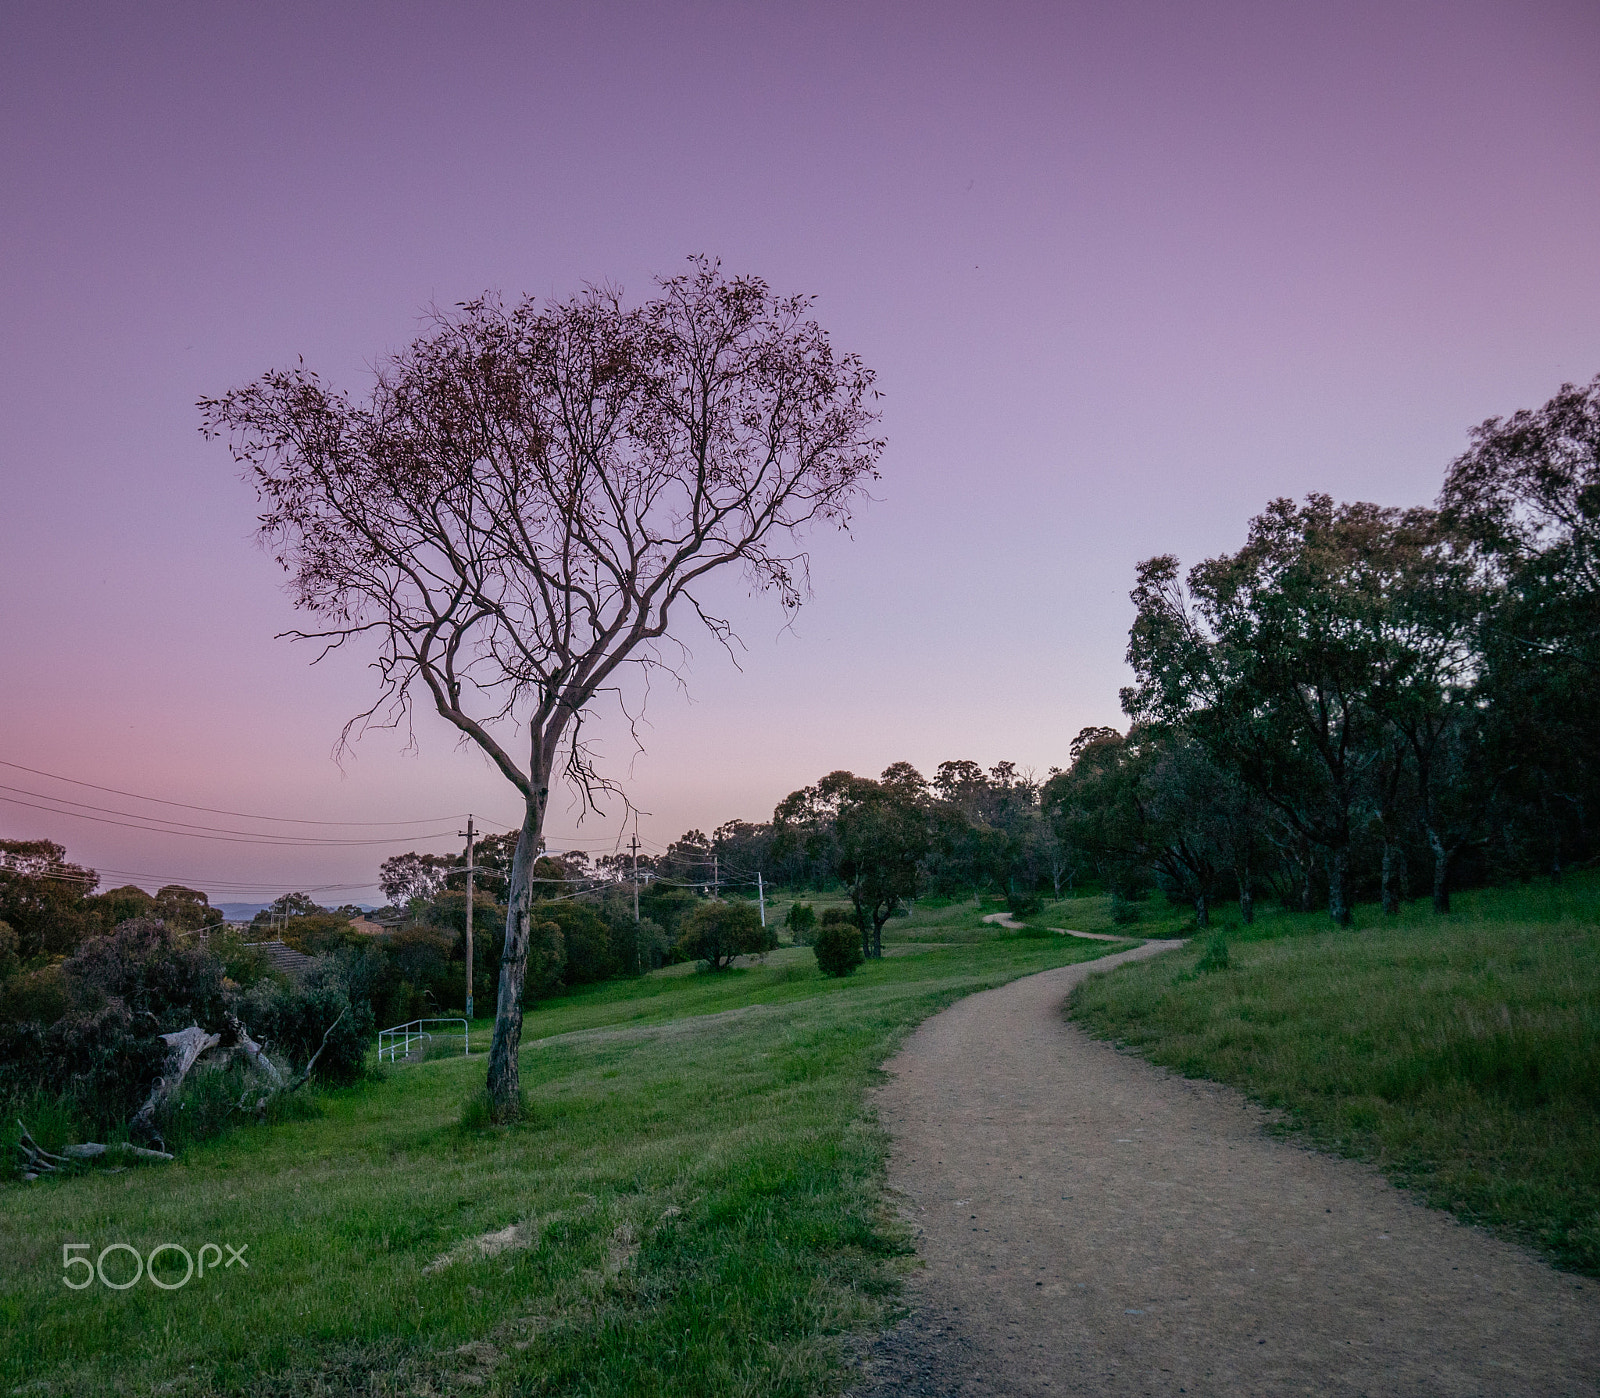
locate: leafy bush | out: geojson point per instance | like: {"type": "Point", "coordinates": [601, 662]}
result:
{"type": "Point", "coordinates": [99, 1065]}
{"type": "Point", "coordinates": [242, 962]}
{"type": "Point", "coordinates": [10, 961]}
{"type": "Point", "coordinates": [838, 917]}
{"type": "Point", "coordinates": [291, 1020]}
{"type": "Point", "coordinates": [591, 954]}
{"type": "Point", "coordinates": [1122, 910]}
{"type": "Point", "coordinates": [319, 932]}
{"type": "Point", "coordinates": [801, 922]}
{"type": "Point", "coordinates": [38, 996]}
{"type": "Point", "coordinates": [837, 947]}
{"type": "Point", "coordinates": [143, 965]}
{"type": "Point", "coordinates": [1023, 904]}
{"type": "Point", "coordinates": [715, 933]}
{"type": "Point", "coordinates": [650, 940]}
{"type": "Point", "coordinates": [668, 907]}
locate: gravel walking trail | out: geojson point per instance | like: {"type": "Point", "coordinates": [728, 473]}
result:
{"type": "Point", "coordinates": [1090, 1224]}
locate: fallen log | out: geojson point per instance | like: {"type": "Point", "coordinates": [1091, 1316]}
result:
{"type": "Point", "coordinates": [36, 1160]}
{"type": "Point", "coordinates": [93, 1150]}
{"type": "Point", "coordinates": [183, 1048]}
{"type": "Point", "coordinates": [254, 1054]}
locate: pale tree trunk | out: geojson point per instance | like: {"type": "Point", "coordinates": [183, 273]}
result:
{"type": "Point", "coordinates": [1441, 871]}
{"type": "Point", "coordinates": [1338, 867]}
{"type": "Point", "coordinates": [1247, 901]}
{"type": "Point", "coordinates": [1391, 900]}
{"type": "Point", "coordinates": [1202, 911]}
{"type": "Point", "coordinates": [505, 1089]}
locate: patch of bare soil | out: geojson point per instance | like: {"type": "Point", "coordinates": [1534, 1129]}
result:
{"type": "Point", "coordinates": [1090, 1224]}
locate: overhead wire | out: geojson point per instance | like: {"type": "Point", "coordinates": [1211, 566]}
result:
{"type": "Point", "coordinates": [236, 837]}
{"type": "Point", "coordinates": [165, 825]}
{"type": "Point", "coordinates": [214, 810]}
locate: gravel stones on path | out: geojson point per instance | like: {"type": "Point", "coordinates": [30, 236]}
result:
{"type": "Point", "coordinates": [1090, 1224]}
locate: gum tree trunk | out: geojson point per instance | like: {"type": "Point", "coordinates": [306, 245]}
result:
{"type": "Point", "coordinates": [505, 1088]}
{"type": "Point", "coordinates": [1391, 901]}
{"type": "Point", "coordinates": [1338, 868]}
{"type": "Point", "coordinates": [1441, 872]}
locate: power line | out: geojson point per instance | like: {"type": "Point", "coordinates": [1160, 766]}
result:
{"type": "Point", "coordinates": [232, 838]}
{"type": "Point", "coordinates": [213, 810]}
{"type": "Point", "coordinates": [222, 886]}
{"type": "Point", "coordinates": [184, 827]}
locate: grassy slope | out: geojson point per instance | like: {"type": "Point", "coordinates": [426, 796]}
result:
{"type": "Point", "coordinates": [1461, 1054]}
{"type": "Point", "coordinates": [699, 1180]}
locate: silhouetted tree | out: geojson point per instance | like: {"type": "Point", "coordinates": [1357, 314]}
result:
{"type": "Point", "coordinates": [529, 502]}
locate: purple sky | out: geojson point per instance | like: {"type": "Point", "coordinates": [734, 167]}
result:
{"type": "Point", "coordinates": [1125, 271]}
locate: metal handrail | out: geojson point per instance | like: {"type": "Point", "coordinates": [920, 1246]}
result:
{"type": "Point", "coordinates": [402, 1036]}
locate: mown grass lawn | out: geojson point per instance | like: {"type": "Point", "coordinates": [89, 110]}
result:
{"type": "Point", "coordinates": [1461, 1054]}
{"type": "Point", "coordinates": [694, 1208]}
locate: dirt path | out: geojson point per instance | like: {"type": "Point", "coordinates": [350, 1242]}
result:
{"type": "Point", "coordinates": [1012, 925]}
{"type": "Point", "coordinates": [1093, 1225]}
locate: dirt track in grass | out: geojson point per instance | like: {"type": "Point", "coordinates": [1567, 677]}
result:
{"type": "Point", "coordinates": [1090, 1224]}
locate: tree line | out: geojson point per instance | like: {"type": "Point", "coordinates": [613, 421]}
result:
{"type": "Point", "coordinates": [1362, 702]}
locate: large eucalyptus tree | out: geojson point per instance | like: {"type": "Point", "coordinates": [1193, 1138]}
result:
{"type": "Point", "coordinates": [531, 498]}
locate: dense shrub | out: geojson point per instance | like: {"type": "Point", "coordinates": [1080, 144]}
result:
{"type": "Point", "coordinates": [1123, 911]}
{"type": "Point", "coordinates": [651, 945]}
{"type": "Point", "coordinates": [715, 933]}
{"type": "Point", "coordinates": [801, 922]}
{"type": "Point", "coordinates": [291, 1020]}
{"type": "Point", "coordinates": [10, 961]}
{"type": "Point", "coordinates": [1023, 904]}
{"type": "Point", "coordinates": [172, 982]}
{"type": "Point", "coordinates": [838, 947]}
{"type": "Point", "coordinates": [242, 962]}
{"type": "Point", "coordinates": [668, 907]}
{"type": "Point", "coordinates": [38, 996]}
{"type": "Point", "coordinates": [318, 933]}
{"type": "Point", "coordinates": [100, 1065]}
{"type": "Point", "coordinates": [591, 952]}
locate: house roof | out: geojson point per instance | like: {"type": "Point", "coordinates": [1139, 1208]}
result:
{"type": "Point", "coordinates": [294, 964]}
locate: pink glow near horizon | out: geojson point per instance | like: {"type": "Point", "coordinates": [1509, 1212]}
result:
{"type": "Point", "coordinates": [1125, 272]}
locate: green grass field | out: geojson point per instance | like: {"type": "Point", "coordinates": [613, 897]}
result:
{"type": "Point", "coordinates": [693, 1208]}
{"type": "Point", "coordinates": [1460, 1054]}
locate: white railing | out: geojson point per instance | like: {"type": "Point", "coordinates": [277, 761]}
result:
{"type": "Point", "coordinates": [398, 1041]}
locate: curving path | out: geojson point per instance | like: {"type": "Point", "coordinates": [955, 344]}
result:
{"type": "Point", "coordinates": [1092, 1225]}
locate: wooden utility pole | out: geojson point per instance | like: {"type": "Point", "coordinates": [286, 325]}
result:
{"type": "Point", "coordinates": [470, 833]}
{"type": "Point", "coordinates": [635, 848]}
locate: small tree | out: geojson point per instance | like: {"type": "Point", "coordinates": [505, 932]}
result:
{"type": "Point", "coordinates": [534, 497]}
{"type": "Point", "coordinates": [715, 933]}
{"type": "Point", "coordinates": [801, 922]}
{"type": "Point", "coordinates": [879, 835]}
